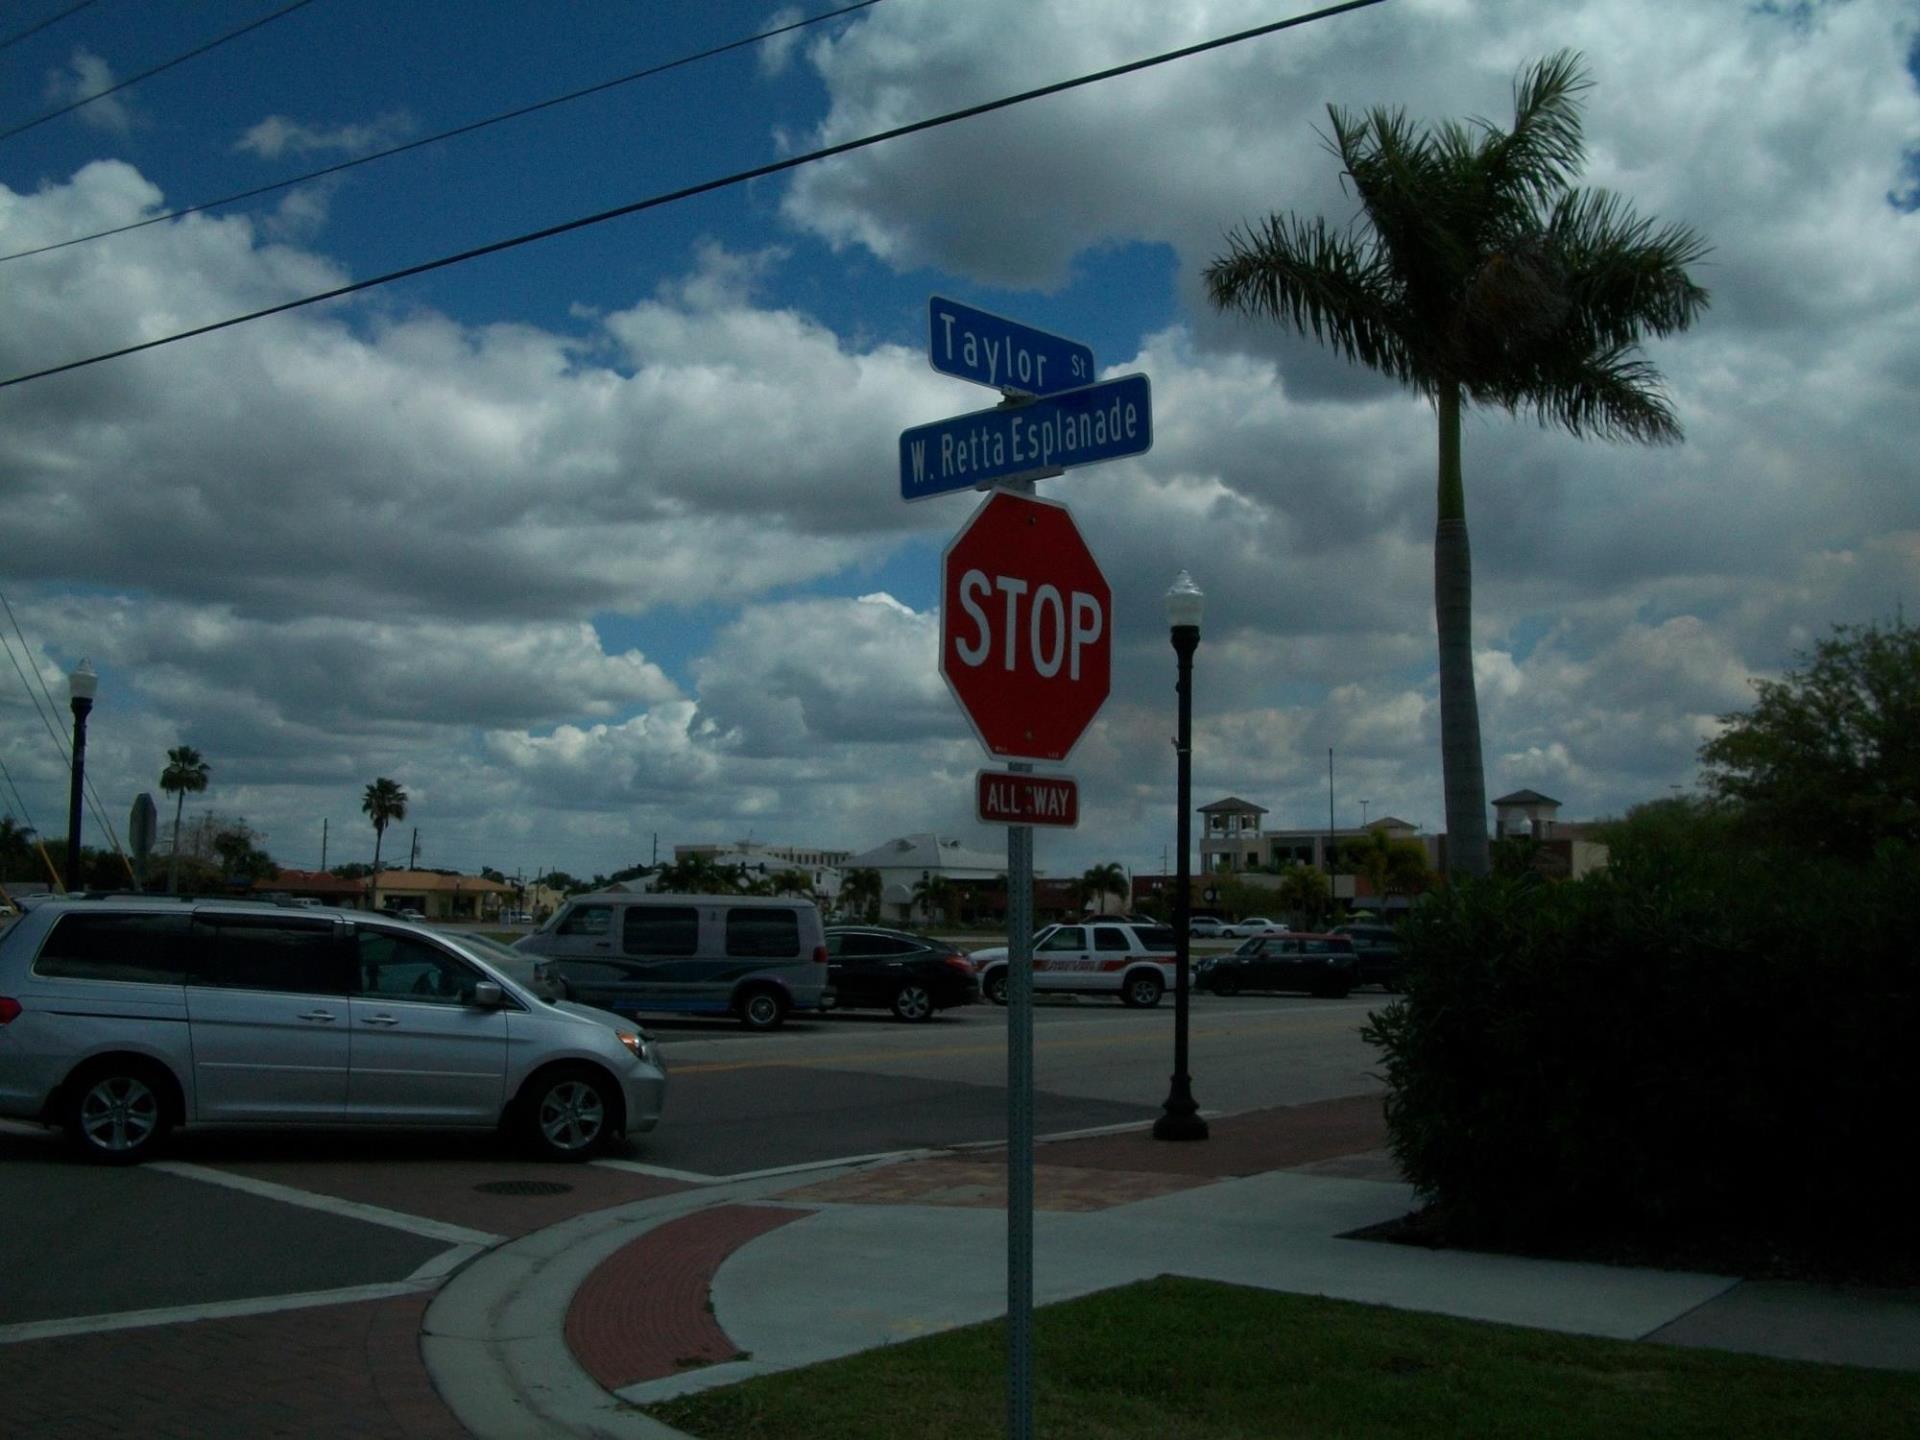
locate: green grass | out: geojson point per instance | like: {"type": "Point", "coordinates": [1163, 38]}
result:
{"type": "Point", "coordinates": [1178, 1359]}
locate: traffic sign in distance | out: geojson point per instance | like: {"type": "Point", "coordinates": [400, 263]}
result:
{"type": "Point", "coordinates": [1005, 797]}
{"type": "Point", "coordinates": [1026, 627]}
{"type": "Point", "coordinates": [1076, 427]}
{"type": "Point", "coordinates": [992, 350]}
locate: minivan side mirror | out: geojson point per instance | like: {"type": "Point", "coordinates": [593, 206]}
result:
{"type": "Point", "coordinates": [488, 996]}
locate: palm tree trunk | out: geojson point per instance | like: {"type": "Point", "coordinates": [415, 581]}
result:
{"type": "Point", "coordinates": [373, 881]}
{"type": "Point", "coordinates": [1466, 786]}
{"type": "Point", "coordinates": [173, 860]}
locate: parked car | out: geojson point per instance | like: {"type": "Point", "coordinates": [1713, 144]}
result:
{"type": "Point", "coordinates": [1134, 962]}
{"type": "Point", "coordinates": [1378, 947]}
{"type": "Point", "coordinates": [754, 957]}
{"type": "Point", "coordinates": [1206, 927]}
{"type": "Point", "coordinates": [873, 967]}
{"type": "Point", "coordinates": [122, 1017]}
{"type": "Point", "coordinates": [1253, 925]}
{"type": "Point", "coordinates": [1323, 965]}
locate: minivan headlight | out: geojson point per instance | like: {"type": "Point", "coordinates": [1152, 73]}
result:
{"type": "Point", "coordinates": [640, 1044]}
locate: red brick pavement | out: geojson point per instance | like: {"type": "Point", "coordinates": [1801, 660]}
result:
{"type": "Point", "coordinates": [329, 1371]}
{"type": "Point", "coordinates": [644, 1312]}
{"type": "Point", "coordinates": [1252, 1143]}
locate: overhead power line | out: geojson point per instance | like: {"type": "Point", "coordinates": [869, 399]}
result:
{"type": "Point", "coordinates": [32, 30]}
{"type": "Point", "coordinates": [458, 130]}
{"type": "Point", "coordinates": [705, 187]}
{"type": "Point", "coordinates": [148, 74]}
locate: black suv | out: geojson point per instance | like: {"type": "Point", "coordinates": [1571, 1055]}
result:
{"type": "Point", "coordinates": [1378, 949]}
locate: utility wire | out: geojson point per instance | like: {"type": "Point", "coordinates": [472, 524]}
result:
{"type": "Point", "coordinates": [458, 130]}
{"type": "Point", "coordinates": [705, 187]}
{"type": "Point", "coordinates": [155, 70]}
{"type": "Point", "coordinates": [31, 30]}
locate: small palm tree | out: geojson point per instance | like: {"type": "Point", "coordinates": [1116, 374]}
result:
{"type": "Point", "coordinates": [1101, 881]}
{"type": "Point", "coordinates": [383, 803]}
{"type": "Point", "coordinates": [1482, 276]}
{"type": "Point", "coordinates": [860, 892]}
{"type": "Point", "coordinates": [935, 895]}
{"type": "Point", "coordinates": [186, 773]}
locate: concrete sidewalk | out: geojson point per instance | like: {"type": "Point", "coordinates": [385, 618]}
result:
{"type": "Point", "coordinates": [558, 1333]}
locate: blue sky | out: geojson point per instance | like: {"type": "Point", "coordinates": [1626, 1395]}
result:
{"type": "Point", "coordinates": [601, 537]}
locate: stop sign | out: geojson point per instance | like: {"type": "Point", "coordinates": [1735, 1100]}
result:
{"type": "Point", "coordinates": [1026, 627]}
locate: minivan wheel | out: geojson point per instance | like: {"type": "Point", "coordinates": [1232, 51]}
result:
{"type": "Point", "coordinates": [994, 987]}
{"type": "Point", "coordinates": [913, 1002]}
{"type": "Point", "coordinates": [567, 1114]}
{"type": "Point", "coordinates": [762, 1009]}
{"type": "Point", "coordinates": [116, 1114]}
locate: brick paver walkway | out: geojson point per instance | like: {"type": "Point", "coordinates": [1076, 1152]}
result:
{"type": "Point", "coordinates": [329, 1372]}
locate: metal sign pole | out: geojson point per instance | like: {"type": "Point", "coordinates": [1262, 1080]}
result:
{"type": "Point", "coordinates": [1020, 1129]}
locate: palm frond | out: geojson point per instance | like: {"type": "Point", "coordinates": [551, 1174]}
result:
{"type": "Point", "coordinates": [1614, 394]}
{"type": "Point", "coordinates": [1323, 284]}
{"type": "Point", "coordinates": [1546, 147]}
{"type": "Point", "coordinates": [1627, 278]}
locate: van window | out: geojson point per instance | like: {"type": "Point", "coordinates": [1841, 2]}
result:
{"type": "Point", "coordinates": [145, 948]}
{"type": "Point", "coordinates": [660, 930]}
{"type": "Point", "coordinates": [586, 920]}
{"type": "Point", "coordinates": [399, 967]}
{"type": "Point", "coordinates": [285, 956]}
{"type": "Point", "coordinates": [763, 934]}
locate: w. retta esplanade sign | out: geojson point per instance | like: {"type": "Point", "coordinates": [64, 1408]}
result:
{"type": "Point", "coordinates": [1026, 639]}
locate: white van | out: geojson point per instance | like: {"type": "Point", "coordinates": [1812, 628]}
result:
{"type": "Point", "coordinates": [121, 1017]}
{"type": "Point", "coordinates": [750, 956]}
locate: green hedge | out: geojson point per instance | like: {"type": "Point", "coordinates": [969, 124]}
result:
{"type": "Point", "coordinates": [1700, 1040]}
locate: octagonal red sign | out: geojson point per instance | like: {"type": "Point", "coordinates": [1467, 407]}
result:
{"type": "Point", "coordinates": [1026, 627]}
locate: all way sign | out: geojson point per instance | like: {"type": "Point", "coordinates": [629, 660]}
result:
{"type": "Point", "coordinates": [1076, 427]}
{"type": "Point", "coordinates": [1004, 797]}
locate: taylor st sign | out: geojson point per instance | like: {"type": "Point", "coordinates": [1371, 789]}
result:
{"type": "Point", "coordinates": [990, 349]}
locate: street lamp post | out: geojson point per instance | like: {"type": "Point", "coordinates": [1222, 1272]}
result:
{"type": "Point", "coordinates": [1180, 1118]}
{"type": "Point", "coordinates": [80, 687]}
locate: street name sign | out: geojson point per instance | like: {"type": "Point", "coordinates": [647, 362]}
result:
{"type": "Point", "coordinates": [992, 350]}
{"type": "Point", "coordinates": [1075, 427]}
{"type": "Point", "coordinates": [1026, 627]}
{"type": "Point", "coordinates": [1006, 797]}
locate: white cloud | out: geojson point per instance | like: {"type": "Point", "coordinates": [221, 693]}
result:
{"type": "Point", "coordinates": [85, 77]}
{"type": "Point", "coordinates": [278, 136]}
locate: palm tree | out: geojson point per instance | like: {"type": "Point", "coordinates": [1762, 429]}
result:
{"type": "Point", "coordinates": [935, 895]}
{"type": "Point", "coordinates": [186, 773]}
{"type": "Point", "coordinates": [1305, 894]}
{"type": "Point", "coordinates": [1482, 275]}
{"type": "Point", "coordinates": [860, 892]}
{"type": "Point", "coordinates": [383, 803]}
{"type": "Point", "coordinates": [1101, 881]}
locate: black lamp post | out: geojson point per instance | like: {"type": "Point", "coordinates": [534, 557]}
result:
{"type": "Point", "coordinates": [1180, 1119]}
{"type": "Point", "coordinates": [80, 687]}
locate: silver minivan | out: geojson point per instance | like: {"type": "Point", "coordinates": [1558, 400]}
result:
{"type": "Point", "coordinates": [754, 957]}
{"type": "Point", "coordinates": [122, 1017]}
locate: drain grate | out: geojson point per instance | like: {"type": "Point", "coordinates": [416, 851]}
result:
{"type": "Point", "coordinates": [523, 1187]}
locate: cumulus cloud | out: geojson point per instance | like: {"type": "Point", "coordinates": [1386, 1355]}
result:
{"type": "Point", "coordinates": [382, 538]}
{"type": "Point", "coordinates": [84, 81]}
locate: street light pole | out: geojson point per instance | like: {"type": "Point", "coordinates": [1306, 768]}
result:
{"type": "Point", "coordinates": [1180, 1119]}
{"type": "Point", "coordinates": [81, 685]}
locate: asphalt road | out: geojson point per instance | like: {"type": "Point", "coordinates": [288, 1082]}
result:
{"type": "Point", "coordinates": [239, 1218]}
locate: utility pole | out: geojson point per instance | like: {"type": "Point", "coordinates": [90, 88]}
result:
{"type": "Point", "coordinates": [413, 856]}
{"type": "Point", "coordinates": [323, 847]}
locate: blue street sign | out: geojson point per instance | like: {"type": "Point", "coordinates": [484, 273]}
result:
{"type": "Point", "coordinates": [992, 350]}
{"type": "Point", "coordinates": [1079, 427]}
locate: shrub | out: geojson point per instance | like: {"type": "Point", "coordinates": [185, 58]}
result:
{"type": "Point", "coordinates": [1699, 1040]}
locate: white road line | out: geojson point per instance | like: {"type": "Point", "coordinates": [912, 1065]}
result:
{"type": "Point", "coordinates": [213, 1310]}
{"type": "Point", "coordinates": [331, 1204]}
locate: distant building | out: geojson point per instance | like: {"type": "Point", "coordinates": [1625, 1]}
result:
{"type": "Point", "coordinates": [904, 862]}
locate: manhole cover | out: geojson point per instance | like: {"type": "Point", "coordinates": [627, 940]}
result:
{"type": "Point", "coordinates": [523, 1187]}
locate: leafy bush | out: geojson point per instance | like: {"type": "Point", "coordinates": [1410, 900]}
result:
{"type": "Point", "coordinates": [1701, 1040]}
